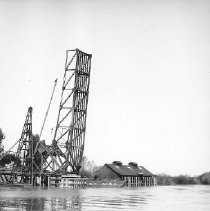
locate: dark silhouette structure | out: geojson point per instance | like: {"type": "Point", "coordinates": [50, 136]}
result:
{"type": "Point", "coordinates": [65, 153]}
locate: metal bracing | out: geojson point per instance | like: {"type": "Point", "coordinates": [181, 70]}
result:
{"type": "Point", "coordinates": [69, 137]}
{"type": "Point", "coordinates": [64, 155]}
{"type": "Point", "coordinates": [48, 108]}
{"type": "Point", "coordinates": [25, 150]}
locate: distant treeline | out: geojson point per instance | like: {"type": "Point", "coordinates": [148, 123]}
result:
{"type": "Point", "coordinates": [89, 168]}
{"type": "Point", "coordinates": [163, 179]}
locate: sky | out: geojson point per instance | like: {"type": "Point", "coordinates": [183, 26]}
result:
{"type": "Point", "coordinates": [149, 99]}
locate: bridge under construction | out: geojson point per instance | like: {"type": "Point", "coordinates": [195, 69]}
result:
{"type": "Point", "coordinates": [35, 160]}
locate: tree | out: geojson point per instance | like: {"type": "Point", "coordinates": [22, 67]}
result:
{"type": "Point", "coordinates": [205, 178]}
{"type": "Point", "coordinates": [2, 137]}
{"type": "Point", "coordinates": [88, 167]}
{"type": "Point", "coordinates": [9, 158]}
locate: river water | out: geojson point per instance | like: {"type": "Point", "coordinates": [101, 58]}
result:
{"type": "Point", "coordinates": [194, 197]}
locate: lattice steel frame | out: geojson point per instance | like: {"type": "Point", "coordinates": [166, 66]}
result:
{"type": "Point", "coordinates": [69, 137]}
{"type": "Point", "coordinates": [25, 150]}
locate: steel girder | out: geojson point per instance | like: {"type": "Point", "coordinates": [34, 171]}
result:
{"type": "Point", "coordinates": [69, 137]}
{"type": "Point", "coordinates": [25, 150]}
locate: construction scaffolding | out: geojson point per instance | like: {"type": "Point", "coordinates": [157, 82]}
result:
{"type": "Point", "coordinates": [25, 151]}
{"type": "Point", "coordinates": [65, 153]}
{"type": "Point", "coordinates": [68, 143]}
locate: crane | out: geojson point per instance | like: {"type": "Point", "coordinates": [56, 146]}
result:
{"type": "Point", "coordinates": [68, 143]}
{"type": "Point", "coordinates": [48, 108]}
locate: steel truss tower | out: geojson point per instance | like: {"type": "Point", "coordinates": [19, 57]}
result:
{"type": "Point", "coordinates": [69, 137]}
{"type": "Point", "coordinates": [25, 151]}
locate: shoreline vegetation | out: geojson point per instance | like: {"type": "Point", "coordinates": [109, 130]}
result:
{"type": "Point", "coordinates": [164, 179]}
{"type": "Point", "coordinates": [89, 168]}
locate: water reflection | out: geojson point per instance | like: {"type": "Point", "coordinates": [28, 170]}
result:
{"type": "Point", "coordinates": [107, 199]}
{"type": "Point", "coordinates": [58, 199]}
{"type": "Point", "coordinates": [63, 204]}
{"type": "Point", "coordinates": [40, 204]}
{"type": "Point", "coordinates": [22, 204]}
{"type": "Point", "coordinates": [116, 201]}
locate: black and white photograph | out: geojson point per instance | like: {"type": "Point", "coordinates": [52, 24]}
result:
{"type": "Point", "coordinates": [104, 105]}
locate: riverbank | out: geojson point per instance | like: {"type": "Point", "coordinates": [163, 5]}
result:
{"type": "Point", "coordinates": [164, 179]}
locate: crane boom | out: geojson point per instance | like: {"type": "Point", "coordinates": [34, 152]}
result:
{"type": "Point", "coordinates": [46, 114]}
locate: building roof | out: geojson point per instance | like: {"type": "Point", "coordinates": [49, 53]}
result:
{"type": "Point", "coordinates": [129, 170]}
